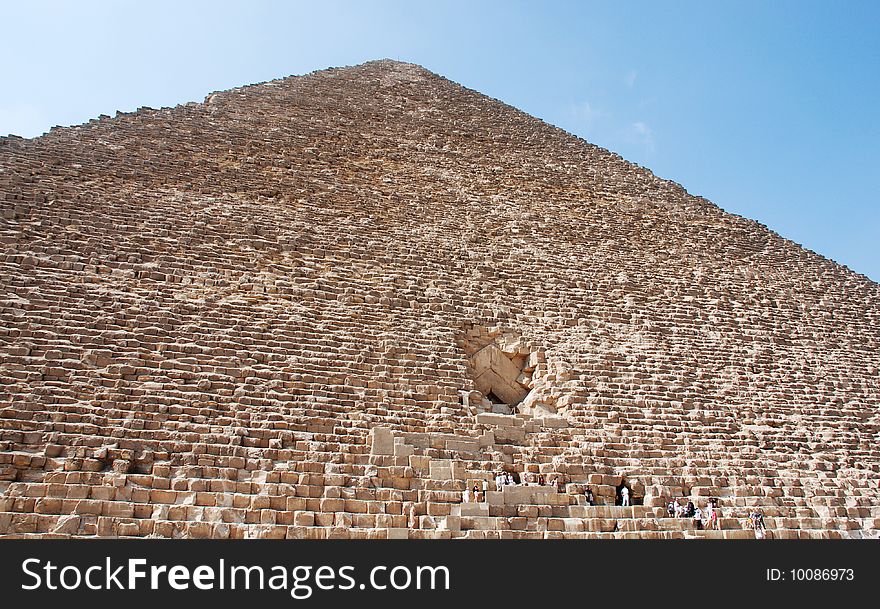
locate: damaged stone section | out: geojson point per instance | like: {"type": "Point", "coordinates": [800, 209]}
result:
{"type": "Point", "coordinates": [501, 365]}
{"type": "Point", "coordinates": [500, 376]}
{"type": "Point", "coordinates": [551, 389]}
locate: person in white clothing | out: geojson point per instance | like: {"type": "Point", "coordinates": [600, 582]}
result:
{"type": "Point", "coordinates": [624, 496]}
{"type": "Point", "coordinates": [467, 495]}
{"type": "Point", "coordinates": [679, 510]}
{"type": "Point", "coordinates": [698, 518]}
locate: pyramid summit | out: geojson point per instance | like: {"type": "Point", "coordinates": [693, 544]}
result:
{"type": "Point", "coordinates": [331, 305]}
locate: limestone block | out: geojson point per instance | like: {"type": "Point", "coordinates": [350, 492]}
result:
{"type": "Point", "coordinates": [118, 509]}
{"type": "Point", "coordinates": [303, 519]}
{"type": "Point", "coordinates": [495, 498]}
{"type": "Point", "coordinates": [397, 533]}
{"type": "Point", "coordinates": [69, 525]}
{"type": "Point", "coordinates": [381, 441]}
{"type": "Point", "coordinates": [505, 435]}
{"type": "Point", "coordinates": [401, 449]}
{"type": "Point", "coordinates": [552, 422]}
{"type": "Point", "coordinates": [440, 470]}
{"type": "Point", "coordinates": [513, 494]}
{"type": "Point", "coordinates": [463, 445]}
{"type": "Point", "coordinates": [473, 509]}
{"type": "Point", "coordinates": [485, 418]}
{"type": "Point", "coordinates": [441, 509]}
{"type": "Point", "coordinates": [419, 462]}
{"type": "Point", "coordinates": [131, 529]}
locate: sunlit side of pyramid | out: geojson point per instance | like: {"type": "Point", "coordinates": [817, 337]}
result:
{"type": "Point", "coordinates": [324, 306]}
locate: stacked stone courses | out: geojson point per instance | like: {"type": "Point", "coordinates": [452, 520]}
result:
{"type": "Point", "coordinates": [260, 316]}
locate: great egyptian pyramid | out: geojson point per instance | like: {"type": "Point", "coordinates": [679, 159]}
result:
{"type": "Point", "coordinates": [324, 306]}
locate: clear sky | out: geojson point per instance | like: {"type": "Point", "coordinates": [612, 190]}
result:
{"type": "Point", "coordinates": [771, 109]}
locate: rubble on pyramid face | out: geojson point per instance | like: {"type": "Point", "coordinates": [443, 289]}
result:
{"type": "Point", "coordinates": [261, 316]}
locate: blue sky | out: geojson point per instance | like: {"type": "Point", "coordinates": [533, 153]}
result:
{"type": "Point", "coordinates": [770, 109]}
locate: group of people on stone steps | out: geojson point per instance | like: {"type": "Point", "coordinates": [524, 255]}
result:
{"type": "Point", "coordinates": [704, 518]}
{"type": "Point", "coordinates": [478, 492]}
{"type": "Point", "coordinates": [756, 522]}
{"type": "Point", "coordinates": [685, 508]}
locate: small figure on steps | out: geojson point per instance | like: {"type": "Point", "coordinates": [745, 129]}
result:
{"type": "Point", "coordinates": [758, 522]}
{"type": "Point", "coordinates": [679, 510]}
{"type": "Point", "coordinates": [713, 514]}
{"type": "Point", "coordinates": [698, 518]}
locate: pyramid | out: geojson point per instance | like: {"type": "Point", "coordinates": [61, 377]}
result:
{"type": "Point", "coordinates": [328, 306]}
